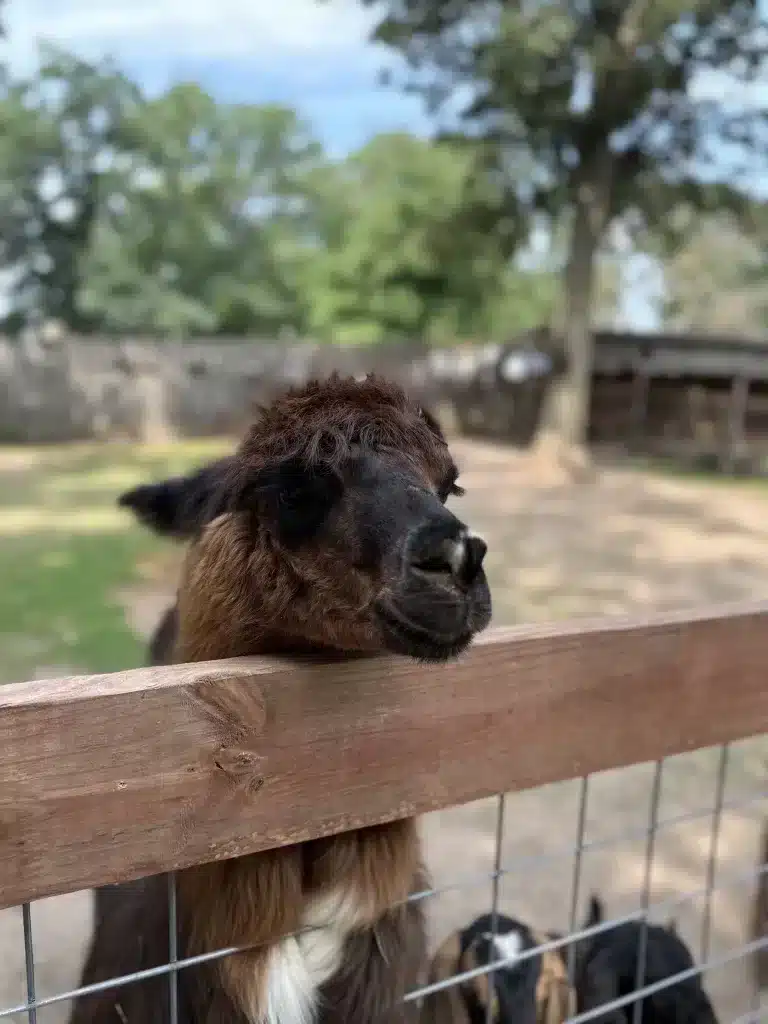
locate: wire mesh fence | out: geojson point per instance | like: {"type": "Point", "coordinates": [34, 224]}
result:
{"type": "Point", "coordinates": [694, 863]}
{"type": "Point", "coordinates": [624, 896]}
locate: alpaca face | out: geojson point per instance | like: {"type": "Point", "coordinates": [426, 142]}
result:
{"type": "Point", "coordinates": [425, 588]}
{"type": "Point", "coordinates": [328, 526]}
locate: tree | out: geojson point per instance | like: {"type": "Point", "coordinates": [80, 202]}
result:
{"type": "Point", "coordinates": [616, 103]}
{"type": "Point", "coordinates": [60, 133]}
{"type": "Point", "coordinates": [202, 232]}
{"type": "Point", "coordinates": [3, 70]}
{"type": "Point", "coordinates": [716, 280]}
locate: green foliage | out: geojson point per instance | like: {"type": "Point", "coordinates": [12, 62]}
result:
{"type": "Point", "coordinates": [562, 82]}
{"type": "Point", "coordinates": [196, 234]}
{"type": "Point", "coordinates": [59, 131]}
{"type": "Point", "coordinates": [180, 216]}
{"type": "Point", "coordinates": [404, 254]}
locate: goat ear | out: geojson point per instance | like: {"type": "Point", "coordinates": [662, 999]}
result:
{"type": "Point", "coordinates": [672, 926]}
{"type": "Point", "coordinates": [293, 497]}
{"type": "Point", "coordinates": [596, 913]}
{"type": "Point", "coordinates": [179, 506]}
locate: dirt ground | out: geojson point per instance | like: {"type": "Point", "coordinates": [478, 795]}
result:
{"type": "Point", "coordinates": [619, 542]}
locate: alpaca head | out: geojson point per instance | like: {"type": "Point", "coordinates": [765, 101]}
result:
{"type": "Point", "coordinates": [326, 528]}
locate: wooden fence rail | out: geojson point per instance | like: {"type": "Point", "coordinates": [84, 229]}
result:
{"type": "Point", "coordinates": [110, 777]}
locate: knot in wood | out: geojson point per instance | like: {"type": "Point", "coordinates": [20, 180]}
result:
{"type": "Point", "coordinates": [242, 767]}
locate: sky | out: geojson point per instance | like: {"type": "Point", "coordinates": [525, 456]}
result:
{"type": "Point", "coordinates": [313, 55]}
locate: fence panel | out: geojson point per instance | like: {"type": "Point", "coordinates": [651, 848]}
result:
{"type": "Point", "coordinates": [109, 778]}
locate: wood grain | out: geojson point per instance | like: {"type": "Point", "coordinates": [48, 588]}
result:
{"type": "Point", "coordinates": [107, 778]}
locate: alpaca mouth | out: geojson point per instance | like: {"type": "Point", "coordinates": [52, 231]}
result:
{"type": "Point", "coordinates": [402, 636]}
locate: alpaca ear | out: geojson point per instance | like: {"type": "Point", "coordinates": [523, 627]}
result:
{"type": "Point", "coordinates": [432, 422]}
{"type": "Point", "coordinates": [293, 498]}
{"type": "Point", "coordinates": [180, 506]}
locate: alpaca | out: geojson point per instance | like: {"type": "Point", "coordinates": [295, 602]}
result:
{"type": "Point", "coordinates": [160, 647]}
{"type": "Point", "coordinates": [534, 991]}
{"type": "Point", "coordinates": [325, 532]}
{"type": "Point", "coordinates": [607, 970]}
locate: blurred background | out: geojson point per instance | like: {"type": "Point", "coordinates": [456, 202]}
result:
{"type": "Point", "coordinates": [547, 218]}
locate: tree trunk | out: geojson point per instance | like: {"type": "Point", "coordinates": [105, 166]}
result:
{"type": "Point", "coordinates": [562, 436]}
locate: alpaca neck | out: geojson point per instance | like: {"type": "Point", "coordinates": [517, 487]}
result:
{"type": "Point", "coordinates": [296, 906]}
{"type": "Point", "coordinates": [224, 643]}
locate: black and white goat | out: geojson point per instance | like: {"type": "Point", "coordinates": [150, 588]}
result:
{"type": "Point", "coordinates": [531, 989]}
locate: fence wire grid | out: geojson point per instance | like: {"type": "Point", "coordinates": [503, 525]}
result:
{"type": "Point", "coordinates": [569, 944]}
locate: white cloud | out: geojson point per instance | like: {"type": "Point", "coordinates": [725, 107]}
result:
{"type": "Point", "coordinates": [183, 29]}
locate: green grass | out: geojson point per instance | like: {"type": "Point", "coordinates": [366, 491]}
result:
{"type": "Point", "coordinates": [67, 552]}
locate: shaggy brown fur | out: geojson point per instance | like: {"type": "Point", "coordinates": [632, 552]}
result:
{"type": "Point", "coordinates": [163, 638]}
{"type": "Point", "coordinates": [325, 532]}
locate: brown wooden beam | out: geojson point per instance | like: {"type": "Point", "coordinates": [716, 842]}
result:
{"type": "Point", "coordinates": [111, 777]}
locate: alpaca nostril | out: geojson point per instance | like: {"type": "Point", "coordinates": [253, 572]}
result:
{"type": "Point", "coordinates": [474, 553]}
{"type": "Point", "coordinates": [460, 558]}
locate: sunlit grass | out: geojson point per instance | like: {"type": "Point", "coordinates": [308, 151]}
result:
{"type": "Point", "coordinates": [23, 520]}
{"type": "Point", "coordinates": [67, 552]}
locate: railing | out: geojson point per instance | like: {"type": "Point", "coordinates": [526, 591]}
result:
{"type": "Point", "coordinates": [109, 778]}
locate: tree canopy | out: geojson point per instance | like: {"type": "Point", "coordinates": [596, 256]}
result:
{"type": "Point", "coordinates": [618, 106]}
{"type": "Point", "coordinates": [178, 215]}
{"type": "Point", "coordinates": [407, 251]}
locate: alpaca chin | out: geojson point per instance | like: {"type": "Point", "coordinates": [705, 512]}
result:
{"type": "Point", "coordinates": [300, 965]}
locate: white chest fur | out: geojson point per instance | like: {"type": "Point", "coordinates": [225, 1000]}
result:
{"type": "Point", "coordinates": [300, 965]}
